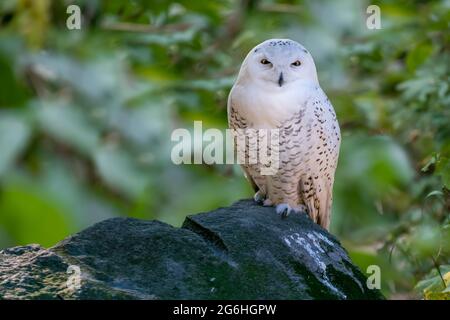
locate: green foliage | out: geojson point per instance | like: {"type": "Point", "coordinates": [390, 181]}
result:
{"type": "Point", "coordinates": [437, 284]}
{"type": "Point", "coordinates": [86, 118]}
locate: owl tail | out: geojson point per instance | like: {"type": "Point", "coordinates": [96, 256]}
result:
{"type": "Point", "coordinates": [319, 204]}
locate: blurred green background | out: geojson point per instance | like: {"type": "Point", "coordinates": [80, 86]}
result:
{"type": "Point", "coordinates": [86, 117]}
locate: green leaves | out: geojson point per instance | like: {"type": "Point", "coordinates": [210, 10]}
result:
{"type": "Point", "coordinates": [436, 285]}
{"type": "Point", "coordinates": [400, 88]}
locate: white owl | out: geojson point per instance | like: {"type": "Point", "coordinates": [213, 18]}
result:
{"type": "Point", "coordinates": [277, 88]}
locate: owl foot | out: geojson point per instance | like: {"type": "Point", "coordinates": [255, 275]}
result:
{"type": "Point", "coordinates": [285, 209]}
{"type": "Point", "coordinates": [267, 203]}
{"type": "Point", "coordinates": [301, 208]}
{"type": "Point", "coordinates": [259, 197]}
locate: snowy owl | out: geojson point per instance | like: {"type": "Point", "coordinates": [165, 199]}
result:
{"type": "Point", "coordinates": [278, 88]}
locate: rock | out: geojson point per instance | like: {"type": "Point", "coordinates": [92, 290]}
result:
{"type": "Point", "coordinates": [240, 252]}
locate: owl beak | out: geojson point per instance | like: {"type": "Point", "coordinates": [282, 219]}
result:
{"type": "Point", "coordinates": [280, 79]}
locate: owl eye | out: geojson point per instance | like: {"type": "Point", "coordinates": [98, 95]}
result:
{"type": "Point", "coordinates": [264, 61]}
{"type": "Point", "coordinates": [296, 63]}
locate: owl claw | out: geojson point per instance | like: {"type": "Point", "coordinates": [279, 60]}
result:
{"type": "Point", "coordinates": [285, 213]}
{"type": "Point", "coordinates": [259, 197]}
{"type": "Point", "coordinates": [301, 208]}
{"type": "Point", "coordinates": [284, 209]}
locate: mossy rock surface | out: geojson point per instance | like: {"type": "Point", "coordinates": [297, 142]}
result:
{"type": "Point", "coordinates": [244, 251]}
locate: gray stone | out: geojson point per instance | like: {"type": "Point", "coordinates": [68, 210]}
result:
{"type": "Point", "coordinates": [240, 252]}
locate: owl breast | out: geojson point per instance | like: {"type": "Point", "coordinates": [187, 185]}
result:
{"type": "Point", "coordinates": [267, 109]}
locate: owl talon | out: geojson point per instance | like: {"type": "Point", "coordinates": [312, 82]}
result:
{"type": "Point", "coordinates": [283, 209]}
{"type": "Point", "coordinates": [301, 209]}
{"type": "Point", "coordinates": [259, 197]}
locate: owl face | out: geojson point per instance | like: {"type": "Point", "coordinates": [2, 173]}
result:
{"type": "Point", "coordinates": [279, 63]}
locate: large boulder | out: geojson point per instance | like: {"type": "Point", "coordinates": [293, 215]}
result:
{"type": "Point", "coordinates": [240, 252]}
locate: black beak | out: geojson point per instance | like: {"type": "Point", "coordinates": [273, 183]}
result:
{"type": "Point", "coordinates": [280, 79]}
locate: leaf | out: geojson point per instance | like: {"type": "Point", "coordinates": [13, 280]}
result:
{"type": "Point", "coordinates": [435, 193]}
{"type": "Point", "coordinates": [13, 91]}
{"type": "Point", "coordinates": [443, 170]}
{"type": "Point", "coordinates": [14, 136]}
{"type": "Point", "coordinates": [98, 81]}
{"type": "Point", "coordinates": [119, 171]}
{"type": "Point", "coordinates": [418, 55]}
{"type": "Point", "coordinates": [425, 239]}
{"type": "Point", "coordinates": [432, 286]}
{"type": "Point", "coordinates": [69, 125]}
{"type": "Point", "coordinates": [437, 296]}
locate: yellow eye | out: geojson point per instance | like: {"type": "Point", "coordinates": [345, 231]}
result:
{"type": "Point", "coordinates": [264, 61]}
{"type": "Point", "coordinates": [296, 63]}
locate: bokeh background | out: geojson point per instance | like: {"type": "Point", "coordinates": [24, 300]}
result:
{"type": "Point", "coordinates": [86, 117]}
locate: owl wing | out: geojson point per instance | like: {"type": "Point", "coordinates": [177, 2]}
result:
{"type": "Point", "coordinates": [236, 121]}
{"type": "Point", "coordinates": [316, 187]}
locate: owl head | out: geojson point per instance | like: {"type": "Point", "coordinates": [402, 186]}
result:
{"type": "Point", "coordinates": [279, 63]}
